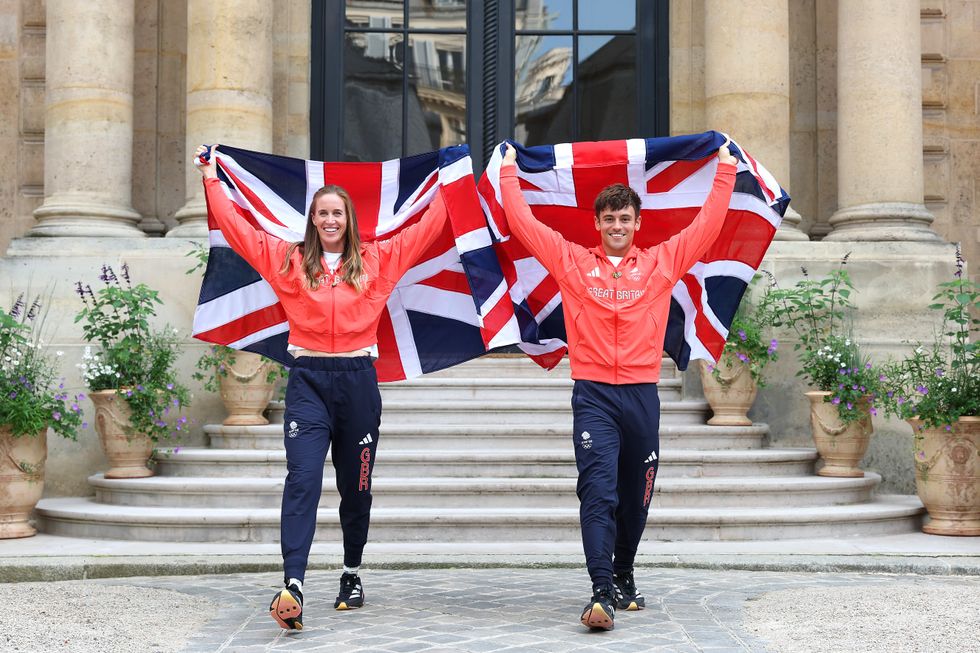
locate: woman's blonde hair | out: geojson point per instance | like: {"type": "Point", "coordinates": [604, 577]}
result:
{"type": "Point", "coordinates": [351, 263]}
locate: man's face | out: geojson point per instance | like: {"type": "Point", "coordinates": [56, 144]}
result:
{"type": "Point", "coordinates": [617, 228]}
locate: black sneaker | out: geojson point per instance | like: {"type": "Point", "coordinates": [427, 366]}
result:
{"type": "Point", "coordinates": [627, 596]}
{"type": "Point", "coordinates": [287, 608]}
{"type": "Point", "coordinates": [351, 593]}
{"type": "Point", "coordinates": [601, 610]}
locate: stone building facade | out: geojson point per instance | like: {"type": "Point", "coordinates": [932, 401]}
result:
{"type": "Point", "coordinates": [868, 111]}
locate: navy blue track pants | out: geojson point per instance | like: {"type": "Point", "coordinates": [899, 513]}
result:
{"type": "Point", "coordinates": [617, 450]}
{"type": "Point", "coordinates": [329, 401]}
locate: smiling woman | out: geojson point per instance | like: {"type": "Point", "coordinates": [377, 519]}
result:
{"type": "Point", "coordinates": [333, 289]}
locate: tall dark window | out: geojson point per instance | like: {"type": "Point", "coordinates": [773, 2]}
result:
{"type": "Point", "coordinates": [393, 78]}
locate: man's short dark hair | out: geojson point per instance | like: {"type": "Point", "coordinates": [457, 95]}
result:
{"type": "Point", "coordinates": [616, 198]}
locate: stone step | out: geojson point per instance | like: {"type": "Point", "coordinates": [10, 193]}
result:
{"type": "Point", "coordinates": [428, 389]}
{"type": "Point", "coordinates": [83, 517]}
{"type": "Point", "coordinates": [478, 434]}
{"type": "Point", "coordinates": [485, 492]}
{"type": "Point", "coordinates": [519, 365]}
{"type": "Point", "coordinates": [557, 414]}
{"type": "Point", "coordinates": [556, 462]}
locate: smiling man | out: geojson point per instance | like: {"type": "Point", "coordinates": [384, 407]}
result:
{"type": "Point", "coordinates": [615, 299]}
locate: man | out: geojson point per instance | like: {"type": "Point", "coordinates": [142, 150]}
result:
{"type": "Point", "coordinates": [615, 298]}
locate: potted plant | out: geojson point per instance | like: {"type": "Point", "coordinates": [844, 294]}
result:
{"type": "Point", "coordinates": [131, 377]}
{"type": "Point", "coordinates": [730, 385]}
{"type": "Point", "coordinates": [32, 400]}
{"type": "Point", "coordinates": [244, 380]}
{"type": "Point", "coordinates": [844, 383]}
{"type": "Point", "coordinates": [936, 388]}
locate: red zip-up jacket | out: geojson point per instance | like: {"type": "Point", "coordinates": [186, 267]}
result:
{"type": "Point", "coordinates": [616, 326]}
{"type": "Point", "coordinates": [334, 317]}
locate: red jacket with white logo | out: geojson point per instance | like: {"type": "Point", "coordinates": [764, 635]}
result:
{"type": "Point", "coordinates": [616, 325]}
{"type": "Point", "coordinates": [334, 317]}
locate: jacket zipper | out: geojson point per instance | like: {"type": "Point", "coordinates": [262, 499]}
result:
{"type": "Point", "coordinates": [616, 276]}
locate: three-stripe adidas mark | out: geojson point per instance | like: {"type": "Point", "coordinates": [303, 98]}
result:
{"type": "Point", "coordinates": [367, 439]}
{"type": "Point", "coordinates": [651, 457]}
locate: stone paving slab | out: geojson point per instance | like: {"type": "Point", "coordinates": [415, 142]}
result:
{"type": "Point", "coordinates": [490, 610]}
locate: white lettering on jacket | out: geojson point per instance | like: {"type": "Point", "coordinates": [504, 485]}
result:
{"type": "Point", "coordinates": [620, 295]}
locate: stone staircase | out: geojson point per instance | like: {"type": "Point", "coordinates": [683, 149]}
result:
{"type": "Point", "coordinates": [481, 453]}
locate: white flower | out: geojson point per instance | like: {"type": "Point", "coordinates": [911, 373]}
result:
{"type": "Point", "coordinates": [843, 365]}
{"type": "Point", "coordinates": [59, 354]}
{"type": "Point", "coordinates": [953, 390]}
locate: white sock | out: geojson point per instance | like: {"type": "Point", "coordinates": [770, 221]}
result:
{"type": "Point", "coordinates": [297, 582]}
{"type": "Point", "coordinates": [351, 570]}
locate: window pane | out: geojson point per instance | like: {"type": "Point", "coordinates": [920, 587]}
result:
{"type": "Point", "coordinates": [437, 14]}
{"type": "Point", "coordinates": [607, 14]}
{"type": "Point", "coordinates": [544, 14]}
{"type": "Point", "coordinates": [372, 97]}
{"type": "Point", "coordinates": [543, 96]}
{"type": "Point", "coordinates": [436, 99]}
{"type": "Point", "coordinates": [375, 13]}
{"type": "Point", "coordinates": [607, 87]}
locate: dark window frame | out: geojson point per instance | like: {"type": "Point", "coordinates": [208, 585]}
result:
{"type": "Point", "coordinates": [490, 41]}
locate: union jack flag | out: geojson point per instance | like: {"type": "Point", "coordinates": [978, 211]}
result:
{"type": "Point", "coordinates": [672, 176]}
{"type": "Point", "coordinates": [431, 321]}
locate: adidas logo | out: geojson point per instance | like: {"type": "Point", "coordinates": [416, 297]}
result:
{"type": "Point", "coordinates": [651, 457]}
{"type": "Point", "coordinates": [634, 274]}
{"type": "Point", "coordinates": [595, 273]}
{"type": "Point", "coordinates": [586, 440]}
{"type": "Point", "coordinates": [293, 429]}
{"type": "Point", "coordinates": [367, 439]}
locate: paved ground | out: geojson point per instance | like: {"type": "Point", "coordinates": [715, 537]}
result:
{"type": "Point", "coordinates": [533, 610]}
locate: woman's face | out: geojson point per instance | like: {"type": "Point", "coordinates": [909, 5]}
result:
{"type": "Point", "coordinates": [330, 220]}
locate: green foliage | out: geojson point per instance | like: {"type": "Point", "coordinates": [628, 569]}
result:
{"type": "Point", "coordinates": [32, 396]}
{"type": "Point", "coordinates": [940, 382]}
{"type": "Point", "coordinates": [747, 340]}
{"type": "Point", "coordinates": [216, 362]}
{"type": "Point", "coordinates": [132, 359]}
{"type": "Point", "coordinates": [819, 311]}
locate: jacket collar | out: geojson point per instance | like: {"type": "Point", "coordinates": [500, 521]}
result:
{"type": "Point", "coordinates": [601, 253]}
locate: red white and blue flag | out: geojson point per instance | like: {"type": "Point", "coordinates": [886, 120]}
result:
{"type": "Point", "coordinates": [673, 177]}
{"type": "Point", "coordinates": [431, 321]}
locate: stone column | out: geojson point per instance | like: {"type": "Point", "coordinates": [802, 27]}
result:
{"type": "Point", "coordinates": [229, 89]}
{"type": "Point", "coordinates": [88, 120]}
{"type": "Point", "coordinates": [879, 123]}
{"type": "Point", "coordinates": [746, 84]}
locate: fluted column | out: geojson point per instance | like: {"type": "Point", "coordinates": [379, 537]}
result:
{"type": "Point", "coordinates": [88, 120]}
{"type": "Point", "coordinates": [746, 84]}
{"type": "Point", "coordinates": [879, 123]}
{"type": "Point", "coordinates": [229, 88]}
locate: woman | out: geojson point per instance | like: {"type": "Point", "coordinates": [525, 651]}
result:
{"type": "Point", "coordinates": [333, 289]}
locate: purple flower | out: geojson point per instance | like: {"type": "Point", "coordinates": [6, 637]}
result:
{"type": "Point", "coordinates": [901, 400]}
{"type": "Point", "coordinates": [867, 366]}
{"type": "Point", "coordinates": [170, 386]}
{"type": "Point", "coordinates": [139, 387]}
{"type": "Point", "coordinates": [743, 358]}
{"type": "Point", "coordinates": [129, 393]}
{"type": "Point", "coordinates": [13, 394]}
{"type": "Point", "coordinates": [922, 389]}
{"type": "Point", "coordinates": [949, 428]}
{"type": "Point", "coordinates": [840, 386]}
{"type": "Point", "coordinates": [772, 346]}
{"type": "Point", "coordinates": [890, 393]}
{"type": "Point", "coordinates": [75, 408]}
{"type": "Point", "coordinates": [921, 455]}
{"type": "Point", "coordinates": [881, 377]}
{"type": "Point", "coordinates": [81, 396]}
{"type": "Point", "coordinates": [56, 416]}
{"type": "Point", "coordinates": [940, 373]}
{"type": "Point", "coordinates": [741, 334]}
{"type": "Point", "coordinates": [835, 401]}
{"type": "Point", "coordinates": [863, 389]}
{"type": "Point", "coordinates": [874, 412]}
{"type": "Point", "coordinates": [854, 387]}
{"type": "Point", "coordinates": [850, 406]}
{"type": "Point", "coordinates": [84, 425]}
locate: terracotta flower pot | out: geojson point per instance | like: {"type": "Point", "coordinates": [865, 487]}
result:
{"type": "Point", "coordinates": [730, 396]}
{"type": "Point", "coordinates": [126, 449]}
{"type": "Point", "coordinates": [947, 476]}
{"type": "Point", "coordinates": [841, 446]}
{"type": "Point", "coordinates": [21, 480]}
{"type": "Point", "coordinates": [246, 391]}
